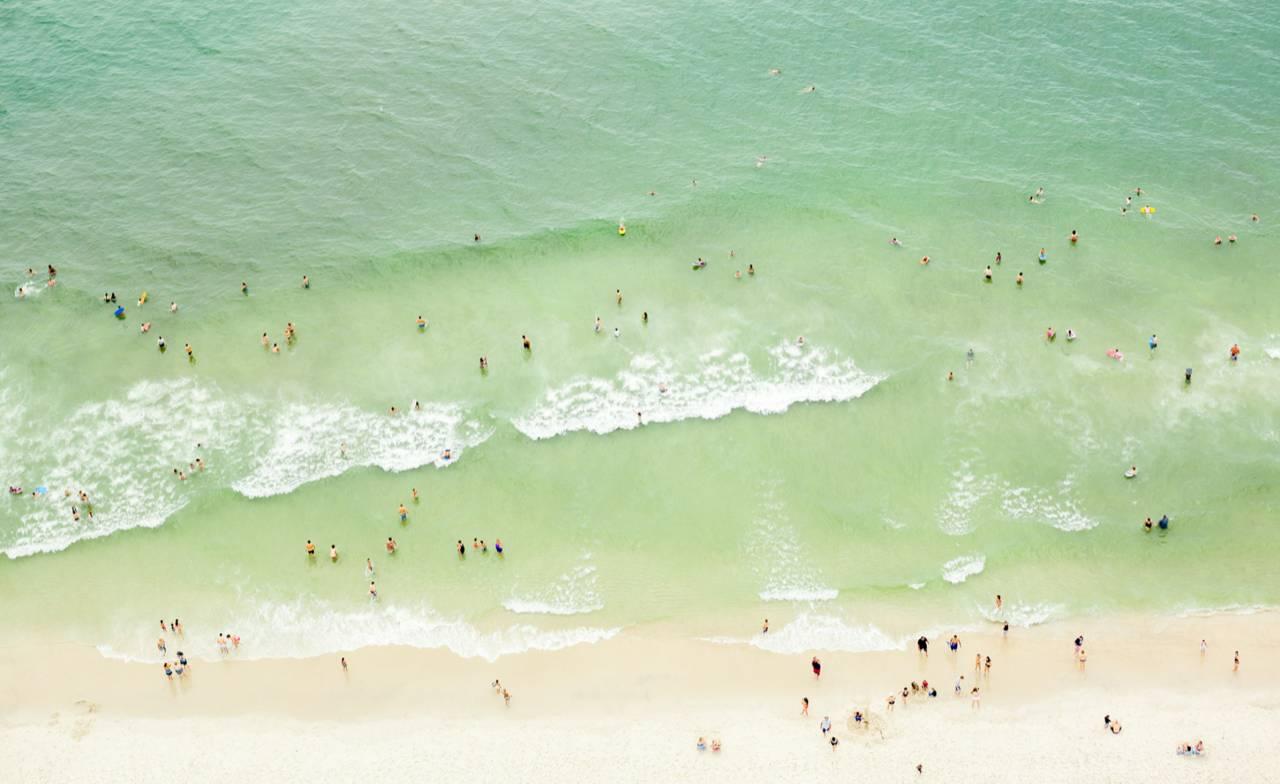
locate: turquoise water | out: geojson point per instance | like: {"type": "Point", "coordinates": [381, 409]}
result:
{"type": "Point", "coordinates": [843, 487]}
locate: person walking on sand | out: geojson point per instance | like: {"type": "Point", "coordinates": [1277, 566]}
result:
{"type": "Point", "coordinates": [343, 662]}
{"type": "Point", "coordinates": [954, 643]}
{"type": "Point", "coordinates": [1082, 657]}
{"type": "Point", "coordinates": [764, 627]}
{"type": "Point", "coordinates": [1235, 663]}
{"type": "Point", "coordinates": [817, 667]}
{"type": "Point", "coordinates": [506, 697]}
{"type": "Point", "coordinates": [804, 706]}
{"type": "Point", "coordinates": [825, 725]}
{"type": "Point", "coordinates": [975, 698]}
{"type": "Point", "coordinates": [999, 602]}
{"type": "Point", "coordinates": [977, 663]}
{"type": "Point", "coordinates": [160, 646]}
{"type": "Point", "coordinates": [986, 668]}
{"type": "Point", "coordinates": [922, 645]}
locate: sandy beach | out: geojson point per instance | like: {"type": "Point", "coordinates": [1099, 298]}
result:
{"type": "Point", "coordinates": [632, 709]}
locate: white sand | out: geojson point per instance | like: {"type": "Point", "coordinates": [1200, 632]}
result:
{"type": "Point", "coordinates": [630, 709]}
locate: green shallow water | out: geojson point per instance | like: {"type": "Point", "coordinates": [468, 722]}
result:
{"type": "Point", "coordinates": [853, 495]}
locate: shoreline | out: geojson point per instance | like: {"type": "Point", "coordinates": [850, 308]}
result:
{"type": "Point", "coordinates": [642, 698]}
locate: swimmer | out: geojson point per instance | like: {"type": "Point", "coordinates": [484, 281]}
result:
{"type": "Point", "coordinates": [244, 288]}
{"type": "Point", "coordinates": [951, 376]}
{"type": "Point", "coordinates": [800, 340]}
{"type": "Point", "coordinates": [1128, 200]}
{"type": "Point", "coordinates": [1188, 375]}
{"type": "Point", "coordinates": [775, 71]}
{"type": "Point", "coordinates": [924, 260]}
{"type": "Point", "coordinates": [413, 493]}
{"type": "Point", "coordinates": [1071, 334]}
{"type": "Point", "coordinates": [333, 553]}
{"type": "Point", "coordinates": [160, 343]}
{"type": "Point", "coordinates": [275, 348]}
{"type": "Point", "coordinates": [1040, 192]}
{"type": "Point", "coordinates": [1131, 473]}
{"type": "Point", "coordinates": [617, 333]}
{"type": "Point", "coordinates": [146, 326]}
{"type": "Point", "coordinates": [1074, 237]}
{"type": "Point", "coordinates": [1147, 525]}
{"type": "Point", "coordinates": [392, 411]}
{"type": "Point", "coordinates": [484, 364]}
{"type": "Point", "coordinates": [1235, 352]}
{"type": "Point", "coordinates": [1018, 280]}
{"type": "Point", "coordinates": [1163, 523]}
{"type": "Point", "coordinates": [1153, 342]}
{"type": "Point", "coordinates": [895, 242]}
{"type": "Point", "coordinates": [598, 325]}
{"type": "Point", "coordinates": [447, 455]}
{"type": "Point", "coordinates": [462, 549]}
{"type": "Point", "coordinates": [1231, 239]}
{"type": "Point", "coordinates": [497, 546]}
{"type": "Point", "coordinates": [422, 323]}
{"type": "Point", "coordinates": [306, 282]}
{"type": "Point", "coordinates": [968, 357]}
{"type": "Point", "coordinates": [190, 354]}
{"type": "Point", "coordinates": [373, 591]}
{"type": "Point", "coordinates": [417, 406]}
{"type": "Point", "coordinates": [1049, 334]}
{"type": "Point", "coordinates": [737, 274]}
{"type": "Point", "coordinates": [760, 160]}
{"type": "Point", "coordinates": [368, 567]}
{"type": "Point", "coordinates": [662, 387]}
{"type": "Point", "coordinates": [1217, 240]}
{"type": "Point", "coordinates": [751, 269]}
{"type": "Point", "coordinates": [617, 296]}
{"type": "Point", "coordinates": [311, 548]}
{"type": "Point", "coordinates": [809, 89]}
{"type": "Point", "coordinates": [524, 341]}
{"type": "Point", "coordinates": [1254, 218]}
{"type": "Point", "coordinates": [987, 274]}
{"type": "Point", "coordinates": [391, 545]}
{"type": "Point", "coordinates": [644, 317]}
{"type": "Point", "coordinates": [404, 514]}
{"type": "Point", "coordinates": [266, 341]}
{"type": "Point", "coordinates": [1138, 190]}
{"type": "Point", "coordinates": [998, 258]}
{"type": "Point", "coordinates": [1043, 256]}
{"type": "Point", "coordinates": [173, 307]}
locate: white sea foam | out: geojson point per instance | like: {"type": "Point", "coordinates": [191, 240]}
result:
{"type": "Point", "coordinates": [123, 453]}
{"type": "Point", "coordinates": [955, 517]}
{"type": "Point", "coordinates": [304, 628]}
{"type": "Point", "coordinates": [1229, 609]}
{"type": "Point", "coordinates": [576, 592]}
{"type": "Point", "coordinates": [1024, 614]}
{"type": "Point", "coordinates": [776, 553]}
{"type": "Point", "coordinates": [306, 443]}
{"type": "Point", "coordinates": [809, 632]}
{"type": "Point", "coordinates": [957, 570]}
{"type": "Point", "coordinates": [1058, 509]}
{"type": "Point", "coordinates": [720, 383]}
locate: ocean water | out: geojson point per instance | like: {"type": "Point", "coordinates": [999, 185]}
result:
{"type": "Point", "coordinates": [701, 470]}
